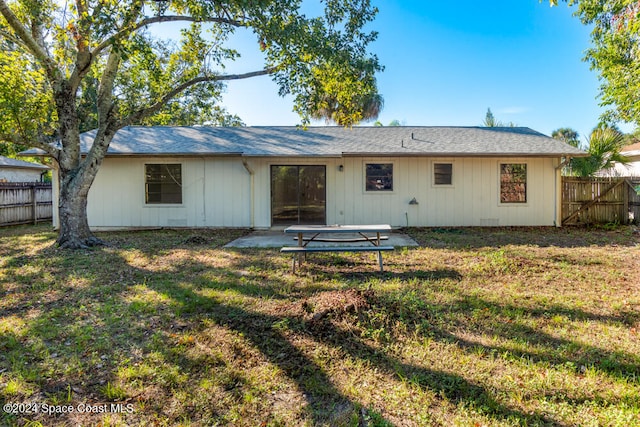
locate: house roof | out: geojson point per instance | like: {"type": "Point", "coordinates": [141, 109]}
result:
{"type": "Point", "coordinates": [332, 141]}
{"type": "Point", "coordinates": [631, 150]}
{"type": "Point", "coordinates": [6, 162]}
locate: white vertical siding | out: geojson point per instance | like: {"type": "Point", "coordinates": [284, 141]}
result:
{"type": "Point", "coordinates": [55, 195]}
{"type": "Point", "coordinates": [227, 194]}
{"type": "Point", "coordinates": [8, 174]}
{"type": "Point", "coordinates": [217, 193]}
{"type": "Point", "coordinates": [471, 200]}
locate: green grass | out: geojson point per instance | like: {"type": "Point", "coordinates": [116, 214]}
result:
{"type": "Point", "coordinates": [477, 327]}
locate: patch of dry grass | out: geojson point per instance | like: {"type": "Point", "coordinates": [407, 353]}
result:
{"type": "Point", "coordinates": [476, 327]}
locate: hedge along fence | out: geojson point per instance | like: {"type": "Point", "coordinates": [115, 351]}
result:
{"type": "Point", "coordinates": [600, 200]}
{"type": "Point", "coordinates": [25, 203]}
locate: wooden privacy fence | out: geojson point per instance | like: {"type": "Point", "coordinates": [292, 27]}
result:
{"type": "Point", "coordinates": [25, 202]}
{"type": "Point", "coordinates": [600, 200]}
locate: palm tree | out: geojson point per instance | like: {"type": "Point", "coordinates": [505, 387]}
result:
{"type": "Point", "coordinates": [490, 121]}
{"type": "Point", "coordinates": [567, 135]}
{"type": "Point", "coordinates": [369, 105]}
{"type": "Point", "coordinates": [604, 151]}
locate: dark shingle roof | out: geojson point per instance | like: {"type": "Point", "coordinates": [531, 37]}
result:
{"type": "Point", "coordinates": [333, 141]}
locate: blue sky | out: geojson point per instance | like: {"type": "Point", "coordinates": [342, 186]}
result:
{"type": "Point", "coordinates": [447, 62]}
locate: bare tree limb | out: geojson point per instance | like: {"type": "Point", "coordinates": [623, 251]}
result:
{"type": "Point", "coordinates": [46, 143]}
{"type": "Point", "coordinates": [145, 112]}
{"type": "Point", "coordinates": [158, 19]}
{"type": "Point", "coordinates": [106, 123]}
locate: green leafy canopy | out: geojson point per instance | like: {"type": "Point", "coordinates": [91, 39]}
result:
{"type": "Point", "coordinates": [323, 61]}
{"type": "Point", "coordinates": [615, 53]}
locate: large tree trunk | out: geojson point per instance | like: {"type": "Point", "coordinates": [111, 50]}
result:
{"type": "Point", "coordinates": [74, 232]}
{"type": "Point", "coordinates": [77, 170]}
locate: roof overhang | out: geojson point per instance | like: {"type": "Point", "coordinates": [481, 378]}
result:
{"type": "Point", "coordinates": [475, 155]}
{"type": "Point", "coordinates": [44, 168]}
{"type": "Point", "coordinates": [41, 153]}
{"type": "Point", "coordinates": [34, 152]}
{"type": "Point", "coordinates": [194, 155]}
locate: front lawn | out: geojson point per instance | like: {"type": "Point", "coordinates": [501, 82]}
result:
{"type": "Point", "coordinates": [477, 327]}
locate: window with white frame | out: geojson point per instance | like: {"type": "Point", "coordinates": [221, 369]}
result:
{"type": "Point", "coordinates": [443, 173]}
{"type": "Point", "coordinates": [163, 183]}
{"type": "Point", "coordinates": [513, 183]}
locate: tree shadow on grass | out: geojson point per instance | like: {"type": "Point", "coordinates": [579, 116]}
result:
{"type": "Point", "coordinates": [455, 388]}
{"type": "Point", "coordinates": [314, 382]}
{"type": "Point", "coordinates": [504, 321]}
{"type": "Point", "coordinates": [319, 390]}
{"type": "Point", "coordinates": [62, 332]}
{"type": "Point", "coordinates": [185, 305]}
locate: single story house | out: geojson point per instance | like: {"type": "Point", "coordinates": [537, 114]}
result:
{"type": "Point", "coordinates": [632, 169]}
{"type": "Point", "coordinates": [13, 170]}
{"type": "Point", "coordinates": [264, 177]}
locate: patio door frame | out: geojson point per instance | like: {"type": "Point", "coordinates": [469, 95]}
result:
{"type": "Point", "coordinates": [300, 204]}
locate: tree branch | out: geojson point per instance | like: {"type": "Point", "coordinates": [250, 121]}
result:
{"type": "Point", "coordinates": [49, 147]}
{"type": "Point", "coordinates": [44, 142]}
{"type": "Point", "coordinates": [84, 59]}
{"type": "Point", "coordinates": [146, 112]}
{"type": "Point", "coordinates": [30, 43]}
{"type": "Point", "coordinates": [106, 123]}
{"type": "Point", "coordinates": [81, 7]}
{"type": "Point", "coordinates": [159, 19]}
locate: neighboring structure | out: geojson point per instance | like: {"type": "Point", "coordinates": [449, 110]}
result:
{"type": "Point", "coordinates": [632, 169]}
{"type": "Point", "coordinates": [275, 176]}
{"type": "Point", "coordinates": [13, 170]}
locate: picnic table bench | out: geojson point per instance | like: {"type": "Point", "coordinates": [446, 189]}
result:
{"type": "Point", "coordinates": [317, 233]}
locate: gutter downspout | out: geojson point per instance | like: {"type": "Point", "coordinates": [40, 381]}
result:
{"type": "Point", "coordinates": [557, 213]}
{"type": "Point", "coordinates": [252, 174]}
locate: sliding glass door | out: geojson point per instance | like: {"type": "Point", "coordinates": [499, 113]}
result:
{"type": "Point", "coordinates": [298, 195]}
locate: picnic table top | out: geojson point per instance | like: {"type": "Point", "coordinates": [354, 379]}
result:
{"type": "Point", "coordinates": [367, 228]}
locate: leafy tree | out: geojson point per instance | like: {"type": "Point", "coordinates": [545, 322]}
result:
{"type": "Point", "coordinates": [604, 148]}
{"type": "Point", "coordinates": [567, 135]}
{"type": "Point", "coordinates": [615, 53]}
{"type": "Point", "coordinates": [632, 138]}
{"type": "Point", "coordinates": [93, 63]}
{"type": "Point", "coordinates": [197, 105]}
{"type": "Point", "coordinates": [23, 105]}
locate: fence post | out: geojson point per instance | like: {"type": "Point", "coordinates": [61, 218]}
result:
{"type": "Point", "coordinates": [34, 204]}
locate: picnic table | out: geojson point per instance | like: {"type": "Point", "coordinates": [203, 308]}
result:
{"type": "Point", "coordinates": [307, 234]}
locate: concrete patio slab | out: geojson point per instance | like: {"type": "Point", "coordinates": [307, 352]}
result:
{"type": "Point", "coordinates": [278, 239]}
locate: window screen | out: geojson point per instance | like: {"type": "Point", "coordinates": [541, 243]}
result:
{"type": "Point", "coordinates": [513, 183]}
{"type": "Point", "coordinates": [163, 183]}
{"type": "Point", "coordinates": [442, 173]}
{"type": "Point", "coordinates": [379, 177]}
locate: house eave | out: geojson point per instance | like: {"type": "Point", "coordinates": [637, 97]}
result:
{"type": "Point", "coordinates": [475, 155]}
{"type": "Point", "coordinates": [44, 168]}
{"type": "Point", "coordinates": [158, 155]}
{"type": "Point", "coordinates": [334, 155]}
{"type": "Point", "coordinates": [293, 156]}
